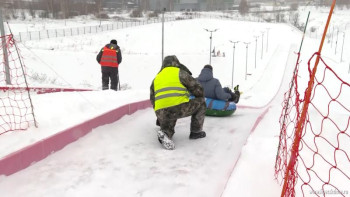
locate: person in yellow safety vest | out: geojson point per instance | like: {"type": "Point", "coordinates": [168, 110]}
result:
{"type": "Point", "coordinates": [110, 57]}
{"type": "Point", "coordinates": [170, 96]}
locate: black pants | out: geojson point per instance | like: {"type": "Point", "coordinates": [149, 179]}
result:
{"type": "Point", "coordinates": [112, 74]}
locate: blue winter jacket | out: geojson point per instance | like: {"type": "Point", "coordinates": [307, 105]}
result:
{"type": "Point", "coordinates": [212, 87]}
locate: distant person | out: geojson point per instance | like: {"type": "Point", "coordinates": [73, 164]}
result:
{"type": "Point", "coordinates": [170, 96]}
{"type": "Point", "coordinates": [213, 52]}
{"type": "Point", "coordinates": [110, 57]}
{"type": "Point", "coordinates": [212, 86]}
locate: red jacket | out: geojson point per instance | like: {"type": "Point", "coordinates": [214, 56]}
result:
{"type": "Point", "coordinates": [109, 57]}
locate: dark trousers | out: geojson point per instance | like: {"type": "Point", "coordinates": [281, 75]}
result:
{"type": "Point", "coordinates": [195, 108]}
{"type": "Point", "coordinates": [109, 73]}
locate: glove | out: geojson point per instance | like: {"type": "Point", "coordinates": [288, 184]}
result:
{"type": "Point", "coordinates": [157, 122]}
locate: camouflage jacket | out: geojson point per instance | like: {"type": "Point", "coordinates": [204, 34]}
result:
{"type": "Point", "coordinates": [192, 85]}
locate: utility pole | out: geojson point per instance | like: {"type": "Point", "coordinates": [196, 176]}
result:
{"type": "Point", "coordinates": [262, 44]}
{"type": "Point", "coordinates": [163, 34]}
{"type": "Point", "coordinates": [332, 37]}
{"type": "Point", "coordinates": [4, 48]}
{"type": "Point", "coordinates": [256, 47]}
{"type": "Point", "coordinates": [336, 42]}
{"type": "Point", "coordinates": [246, 60]}
{"type": "Point", "coordinates": [267, 39]}
{"type": "Point", "coordinates": [233, 59]}
{"type": "Point", "coordinates": [342, 48]}
{"type": "Point", "coordinates": [211, 36]}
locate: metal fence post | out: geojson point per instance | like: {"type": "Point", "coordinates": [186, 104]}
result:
{"type": "Point", "coordinates": [4, 48]}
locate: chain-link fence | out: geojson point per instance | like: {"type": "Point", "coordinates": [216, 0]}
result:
{"type": "Point", "coordinates": [54, 33]}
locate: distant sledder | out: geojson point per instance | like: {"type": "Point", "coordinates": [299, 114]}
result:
{"type": "Point", "coordinates": [219, 101]}
{"type": "Point", "coordinates": [170, 96]}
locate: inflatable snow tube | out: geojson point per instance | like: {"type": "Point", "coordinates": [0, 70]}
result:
{"type": "Point", "coordinates": [219, 108]}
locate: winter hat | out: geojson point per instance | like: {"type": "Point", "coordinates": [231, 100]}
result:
{"type": "Point", "coordinates": [170, 60]}
{"type": "Point", "coordinates": [208, 66]}
{"type": "Point", "coordinates": [113, 41]}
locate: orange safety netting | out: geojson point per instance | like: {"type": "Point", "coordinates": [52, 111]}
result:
{"type": "Point", "coordinates": [322, 161]}
{"type": "Point", "coordinates": [16, 112]}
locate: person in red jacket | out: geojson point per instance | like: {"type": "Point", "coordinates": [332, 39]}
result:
{"type": "Point", "coordinates": [110, 57]}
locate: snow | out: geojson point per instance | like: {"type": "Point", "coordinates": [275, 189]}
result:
{"type": "Point", "coordinates": [124, 158]}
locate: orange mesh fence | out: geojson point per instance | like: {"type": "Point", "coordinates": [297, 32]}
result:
{"type": "Point", "coordinates": [16, 112]}
{"type": "Point", "coordinates": [322, 163]}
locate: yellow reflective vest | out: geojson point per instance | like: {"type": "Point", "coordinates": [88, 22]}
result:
{"type": "Point", "coordinates": [168, 89]}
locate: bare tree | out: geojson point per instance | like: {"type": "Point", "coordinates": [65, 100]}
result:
{"type": "Point", "coordinates": [158, 5]}
{"type": "Point", "coordinates": [98, 4]}
{"type": "Point", "coordinates": [210, 4]}
{"type": "Point", "coordinates": [170, 5]}
{"type": "Point", "coordinates": [343, 3]}
{"type": "Point", "coordinates": [31, 9]}
{"type": "Point", "coordinates": [294, 6]}
{"type": "Point", "coordinates": [64, 5]}
{"type": "Point", "coordinates": [144, 5]}
{"type": "Point", "coordinates": [49, 6]}
{"type": "Point", "coordinates": [219, 4]}
{"type": "Point", "coordinates": [215, 4]}
{"type": "Point", "coordinates": [243, 7]}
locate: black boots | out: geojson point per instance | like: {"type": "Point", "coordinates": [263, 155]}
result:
{"type": "Point", "coordinates": [196, 135]}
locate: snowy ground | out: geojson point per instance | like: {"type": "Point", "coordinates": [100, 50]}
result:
{"type": "Point", "coordinates": [125, 159]}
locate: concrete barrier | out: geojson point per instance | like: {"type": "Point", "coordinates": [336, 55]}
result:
{"type": "Point", "coordinates": [24, 157]}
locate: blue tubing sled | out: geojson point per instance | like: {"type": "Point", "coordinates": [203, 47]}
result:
{"type": "Point", "coordinates": [219, 108]}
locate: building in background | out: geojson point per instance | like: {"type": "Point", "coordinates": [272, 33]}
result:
{"type": "Point", "coordinates": [191, 5]}
{"type": "Point", "coordinates": [121, 4]}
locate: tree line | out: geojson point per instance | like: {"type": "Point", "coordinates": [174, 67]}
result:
{"type": "Point", "coordinates": [63, 9]}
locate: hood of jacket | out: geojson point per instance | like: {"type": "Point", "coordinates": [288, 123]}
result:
{"type": "Point", "coordinates": [112, 46]}
{"type": "Point", "coordinates": [205, 75]}
{"type": "Point", "coordinates": [172, 61]}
